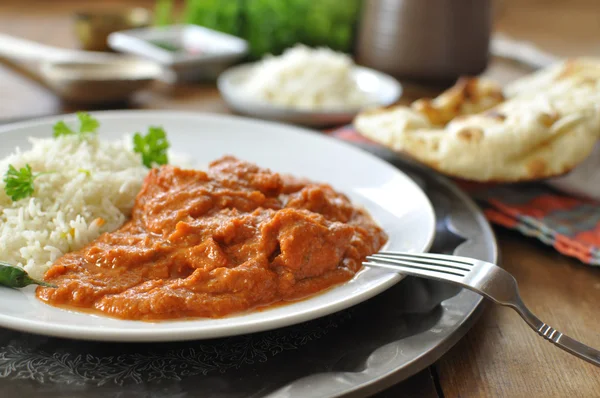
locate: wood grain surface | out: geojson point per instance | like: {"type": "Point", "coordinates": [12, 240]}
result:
{"type": "Point", "coordinates": [500, 356]}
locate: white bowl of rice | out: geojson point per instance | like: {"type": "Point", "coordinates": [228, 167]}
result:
{"type": "Point", "coordinates": [307, 86]}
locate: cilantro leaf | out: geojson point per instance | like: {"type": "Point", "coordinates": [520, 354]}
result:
{"type": "Point", "coordinates": [61, 128]}
{"type": "Point", "coordinates": [19, 183]}
{"type": "Point", "coordinates": [87, 125]}
{"type": "Point", "coordinates": [152, 146]}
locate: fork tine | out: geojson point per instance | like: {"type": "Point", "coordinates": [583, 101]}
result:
{"type": "Point", "coordinates": [432, 256]}
{"type": "Point", "coordinates": [423, 260]}
{"type": "Point", "coordinates": [421, 265]}
{"type": "Point", "coordinates": [415, 270]}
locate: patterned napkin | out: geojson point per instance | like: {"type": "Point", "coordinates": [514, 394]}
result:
{"type": "Point", "coordinates": [570, 224]}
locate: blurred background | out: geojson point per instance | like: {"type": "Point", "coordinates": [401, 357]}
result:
{"type": "Point", "coordinates": [399, 37]}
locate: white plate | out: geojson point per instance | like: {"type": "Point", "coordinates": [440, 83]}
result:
{"type": "Point", "coordinates": [392, 198]}
{"type": "Point", "coordinates": [382, 89]}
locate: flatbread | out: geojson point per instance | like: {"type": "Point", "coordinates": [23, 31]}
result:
{"type": "Point", "coordinates": [547, 126]}
{"type": "Point", "coordinates": [583, 68]}
{"type": "Point", "coordinates": [467, 96]}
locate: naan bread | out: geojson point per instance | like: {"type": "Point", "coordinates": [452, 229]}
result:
{"type": "Point", "coordinates": [548, 125]}
{"type": "Point", "coordinates": [467, 96]}
{"type": "Point", "coordinates": [584, 68]}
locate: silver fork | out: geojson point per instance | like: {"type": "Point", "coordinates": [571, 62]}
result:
{"type": "Point", "coordinates": [481, 277]}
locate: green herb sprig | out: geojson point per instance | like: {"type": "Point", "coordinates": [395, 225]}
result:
{"type": "Point", "coordinates": [152, 146]}
{"type": "Point", "coordinates": [87, 125]}
{"type": "Point", "coordinates": [15, 277]}
{"type": "Point", "coordinates": [19, 183]}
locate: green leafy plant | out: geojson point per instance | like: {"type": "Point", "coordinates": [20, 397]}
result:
{"type": "Point", "coordinates": [222, 15]}
{"type": "Point", "coordinates": [271, 26]}
{"type": "Point", "coordinates": [163, 12]}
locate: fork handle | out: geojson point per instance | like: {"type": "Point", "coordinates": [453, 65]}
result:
{"type": "Point", "coordinates": [559, 339]}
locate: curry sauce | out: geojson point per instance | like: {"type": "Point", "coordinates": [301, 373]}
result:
{"type": "Point", "coordinates": [210, 244]}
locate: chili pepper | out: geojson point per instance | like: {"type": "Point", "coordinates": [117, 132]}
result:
{"type": "Point", "coordinates": [15, 277]}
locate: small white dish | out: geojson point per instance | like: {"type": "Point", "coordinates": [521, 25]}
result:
{"type": "Point", "coordinates": [382, 90]}
{"type": "Point", "coordinates": [392, 198]}
{"type": "Point", "coordinates": [192, 52]}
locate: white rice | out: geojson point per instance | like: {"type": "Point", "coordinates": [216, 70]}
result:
{"type": "Point", "coordinates": [91, 191]}
{"type": "Point", "coordinates": [307, 78]}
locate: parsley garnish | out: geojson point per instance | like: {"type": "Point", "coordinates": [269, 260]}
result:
{"type": "Point", "coordinates": [19, 183]}
{"type": "Point", "coordinates": [87, 125]}
{"type": "Point", "coordinates": [152, 146]}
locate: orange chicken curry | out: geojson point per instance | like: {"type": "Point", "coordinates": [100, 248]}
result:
{"type": "Point", "coordinates": [210, 244]}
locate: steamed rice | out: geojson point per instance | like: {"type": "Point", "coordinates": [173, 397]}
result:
{"type": "Point", "coordinates": [91, 191]}
{"type": "Point", "coordinates": [307, 78]}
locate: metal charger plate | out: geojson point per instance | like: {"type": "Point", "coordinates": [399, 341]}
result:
{"type": "Point", "coordinates": [356, 352]}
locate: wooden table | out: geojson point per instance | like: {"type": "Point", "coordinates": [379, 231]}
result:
{"type": "Point", "coordinates": [500, 356]}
